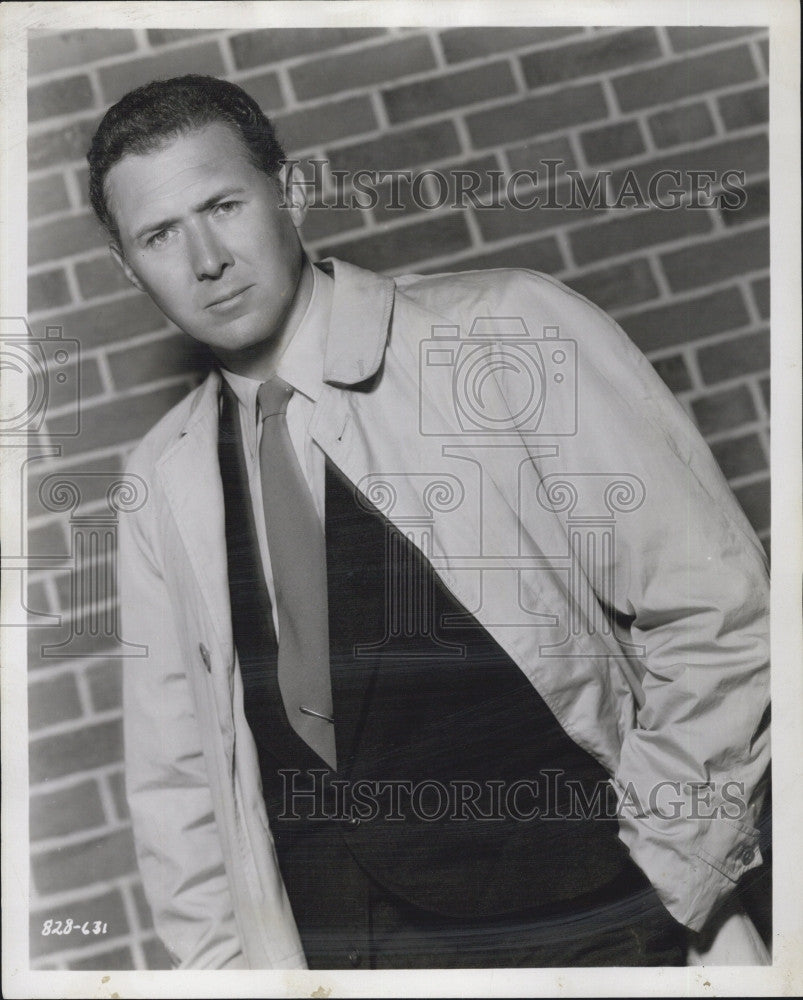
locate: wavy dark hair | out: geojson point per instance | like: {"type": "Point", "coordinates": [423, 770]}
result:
{"type": "Point", "coordinates": [151, 115]}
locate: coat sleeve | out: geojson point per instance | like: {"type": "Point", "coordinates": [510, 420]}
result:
{"type": "Point", "coordinates": [177, 844]}
{"type": "Point", "coordinates": [690, 580]}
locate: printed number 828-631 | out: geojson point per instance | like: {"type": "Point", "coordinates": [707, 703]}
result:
{"type": "Point", "coordinates": [70, 925]}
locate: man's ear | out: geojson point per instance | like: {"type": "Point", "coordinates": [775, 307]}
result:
{"type": "Point", "coordinates": [293, 191]}
{"type": "Point", "coordinates": [119, 258]}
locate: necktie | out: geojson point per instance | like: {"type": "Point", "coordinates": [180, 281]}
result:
{"type": "Point", "coordinates": [297, 548]}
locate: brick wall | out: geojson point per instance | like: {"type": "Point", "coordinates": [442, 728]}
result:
{"type": "Point", "coordinates": [690, 287]}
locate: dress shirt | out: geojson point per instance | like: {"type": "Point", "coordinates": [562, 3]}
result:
{"type": "Point", "coordinates": [300, 366]}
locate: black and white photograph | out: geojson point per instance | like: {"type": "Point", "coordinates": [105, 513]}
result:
{"type": "Point", "coordinates": [389, 499]}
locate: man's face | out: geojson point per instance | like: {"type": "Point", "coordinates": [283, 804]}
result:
{"type": "Point", "coordinates": [202, 232]}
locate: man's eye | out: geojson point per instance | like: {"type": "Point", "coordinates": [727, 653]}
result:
{"type": "Point", "coordinates": [226, 207]}
{"type": "Point", "coordinates": [158, 239]}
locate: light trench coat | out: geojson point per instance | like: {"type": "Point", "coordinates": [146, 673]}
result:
{"type": "Point", "coordinates": [591, 533]}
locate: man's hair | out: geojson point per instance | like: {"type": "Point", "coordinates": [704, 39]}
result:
{"type": "Point", "coordinates": [150, 116]}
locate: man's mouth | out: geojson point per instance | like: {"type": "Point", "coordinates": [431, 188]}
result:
{"type": "Point", "coordinates": [229, 299]}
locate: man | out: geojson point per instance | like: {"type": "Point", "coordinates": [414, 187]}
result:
{"type": "Point", "coordinates": [415, 603]}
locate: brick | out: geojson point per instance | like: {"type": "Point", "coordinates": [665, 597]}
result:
{"type": "Point", "coordinates": [76, 48]}
{"type": "Point", "coordinates": [674, 372]}
{"type": "Point", "coordinates": [460, 44]}
{"type": "Point", "coordinates": [144, 917]}
{"type": "Point", "coordinates": [99, 325]}
{"type": "Point", "coordinates": [63, 237]}
{"type": "Point", "coordinates": [117, 785]}
{"type": "Point", "coordinates": [616, 286]}
{"type": "Point", "coordinates": [115, 958]}
{"type": "Point", "coordinates": [36, 598]}
{"type": "Point", "coordinates": [731, 358]}
{"type": "Point", "coordinates": [451, 90]}
{"type": "Point", "coordinates": [108, 908]}
{"type": "Point", "coordinates": [324, 222]}
{"type": "Point", "coordinates": [749, 153]}
{"type": "Point", "coordinates": [754, 499]}
{"type": "Point", "coordinates": [47, 194]}
{"type": "Point", "coordinates": [255, 48]}
{"type": "Point", "coordinates": [683, 78]}
{"type": "Point", "coordinates": [99, 277]}
{"type": "Point", "coordinates": [396, 247]}
{"type": "Point", "coordinates": [739, 456]}
{"type": "Point", "coordinates": [106, 685]}
{"type": "Point", "coordinates": [362, 67]}
{"type": "Point", "coordinates": [172, 356]}
{"type": "Point", "coordinates": [69, 753]}
{"type": "Point", "coordinates": [89, 384]}
{"type": "Point", "coordinates": [685, 38]}
{"type": "Point", "coordinates": [168, 36]}
{"type": "Point", "coordinates": [47, 289]}
{"type": "Point", "coordinates": [590, 57]}
{"type": "Point", "coordinates": [454, 186]}
{"type": "Point", "coordinates": [761, 293]}
{"type": "Point", "coordinates": [720, 411]}
{"type": "Point", "coordinates": [48, 540]}
{"type": "Point", "coordinates": [688, 320]}
{"type": "Point", "coordinates": [77, 865]}
{"type": "Point", "coordinates": [82, 181]}
{"type": "Point", "coordinates": [61, 145]}
{"type": "Point", "coordinates": [764, 46]}
{"type": "Point", "coordinates": [327, 122]}
{"type": "Point", "coordinates": [499, 223]}
{"type": "Point", "coordinates": [612, 142]}
{"type": "Point", "coordinates": [119, 78]}
{"type": "Point", "coordinates": [745, 108]}
{"type": "Point", "coordinates": [756, 205]}
{"type": "Point", "coordinates": [676, 126]}
{"type": "Point", "coordinates": [764, 386]}
{"type": "Point", "coordinates": [53, 701]}
{"type": "Point", "coordinates": [123, 419]}
{"type": "Point", "coordinates": [715, 260]}
{"type": "Point", "coordinates": [156, 956]}
{"type": "Point", "coordinates": [399, 150]}
{"type": "Point", "coordinates": [265, 89]}
{"type": "Point", "coordinates": [537, 115]}
{"type": "Point", "coordinates": [56, 814]}
{"type": "Point", "coordinates": [530, 155]}
{"type": "Point", "coordinates": [635, 229]}
{"type": "Point", "coordinates": [59, 97]}
{"type": "Point", "coordinates": [536, 255]}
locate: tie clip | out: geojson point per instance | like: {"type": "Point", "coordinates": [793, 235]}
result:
{"type": "Point", "coordinates": [318, 715]}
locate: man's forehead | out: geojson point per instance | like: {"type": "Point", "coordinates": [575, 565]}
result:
{"type": "Point", "coordinates": [178, 169]}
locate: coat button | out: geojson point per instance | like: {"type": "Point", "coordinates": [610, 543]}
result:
{"type": "Point", "coordinates": [746, 855]}
{"type": "Point", "coordinates": [205, 656]}
{"type": "Point", "coordinates": [354, 957]}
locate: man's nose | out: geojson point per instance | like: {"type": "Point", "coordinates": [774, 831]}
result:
{"type": "Point", "coordinates": [208, 253]}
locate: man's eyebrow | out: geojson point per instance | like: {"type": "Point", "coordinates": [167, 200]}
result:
{"type": "Point", "coordinates": [155, 227]}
